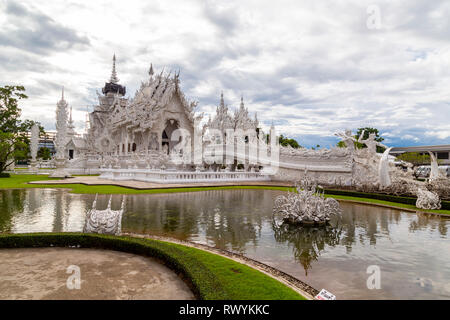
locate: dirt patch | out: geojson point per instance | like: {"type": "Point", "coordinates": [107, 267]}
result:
{"type": "Point", "coordinates": [44, 273]}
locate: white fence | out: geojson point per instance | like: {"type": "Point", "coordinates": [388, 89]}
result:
{"type": "Point", "coordinates": [160, 176]}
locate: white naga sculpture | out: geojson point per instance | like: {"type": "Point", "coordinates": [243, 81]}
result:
{"type": "Point", "coordinates": [34, 141]}
{"type": "Point", "coordinates": [61, 139]}
{"type": "Point", "coordinates": [427, 200]}
{"type": "Point", "coordinates": [106, 221]}
{"type": "Point", "coordinates": [435, 174]}
{"type": "Point", "coordinates": [307, 206]}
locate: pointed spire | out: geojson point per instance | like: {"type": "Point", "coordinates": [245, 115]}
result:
{"type": "Point", "coordinates": [114, 78]}
{"type": "Point", "coordinates": [150, 71]}
{"type": "Point", "coordinates": [242, 102]}
{"type": "Point", "coordinates": [62, 94]}
{"type": "Point", "coordinates": [70, 115]}
{"type": "Point", "coordinates": [222, 101]}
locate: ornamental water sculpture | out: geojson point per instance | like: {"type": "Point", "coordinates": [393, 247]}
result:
{"type": "Point", "coordinates": [427, 200]}
{"type": "Point", "coordinates": [307, 206]}
{"type": "Point", "coordinates": [106, 221]}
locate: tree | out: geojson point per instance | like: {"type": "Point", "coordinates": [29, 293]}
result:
{"type": "Point", "coordinates": [14, 142]}
{"type": "Point", "coordinates": [44, 153]}
{"type": "Point", "coordinates": [367, 131]}
{"type": "Point", "coordinates": [415, 158]}
{"type": "Point", "coordinates": [284, 141]}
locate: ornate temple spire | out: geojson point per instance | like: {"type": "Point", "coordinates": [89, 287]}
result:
{"type": "Point", "coordinates": [150, 71]}
{"type": "Point", "coordinates": [222, 101]}
{"type": "Point", "coordinates": [62, 94]}
{"type": "Point", "coordinates": [242, 102]}
{"type": "Point", "coordinates": [113, 85]}
{"type": "Point", "coordinates": [70, 126]}
{"type": "Point", "coordinates": [114, 78]}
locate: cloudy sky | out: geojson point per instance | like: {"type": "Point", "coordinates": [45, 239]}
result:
{"type": "Point", "coordinates": [311, 67]}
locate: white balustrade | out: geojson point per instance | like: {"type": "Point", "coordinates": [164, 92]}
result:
{"type": "Point", "coordinates": [161, 176]}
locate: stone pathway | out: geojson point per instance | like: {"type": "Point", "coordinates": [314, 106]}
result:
{"type": "Point", "coordinates": [141, 185]}
{"type": "Point", "coordinates": [41, 273]}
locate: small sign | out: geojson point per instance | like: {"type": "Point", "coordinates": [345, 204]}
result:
{"type": "Point", "coordinates": [325, 295]}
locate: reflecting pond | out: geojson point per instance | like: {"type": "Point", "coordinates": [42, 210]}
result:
{"type": "Point", "coordinates": [411, 250]}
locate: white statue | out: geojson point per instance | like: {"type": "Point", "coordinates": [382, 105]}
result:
{"type": "Point", "coordinates": [306, 206]}
{"type": "Point", "coordinates": [383, 170]}
{"type": "Point", "coordinates": [427, 200]}
{"type": "Point", "coordinates": [34, 141]}
{"type": "Point", "coordinates": [434, 174]}
{"type": "Point", "coordinates": [104, 221]}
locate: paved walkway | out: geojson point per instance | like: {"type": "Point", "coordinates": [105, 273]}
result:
{"type": "Point", "coordinates": [141, 185]}
{"type": "Point", "coordinates": [41, 273]}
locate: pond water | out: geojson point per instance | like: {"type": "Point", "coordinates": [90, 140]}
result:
{"type": "Point", "coordinates": [411, 250]}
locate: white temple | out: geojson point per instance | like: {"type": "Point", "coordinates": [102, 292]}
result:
{"type": "Point", "coordinates": [156, 136]}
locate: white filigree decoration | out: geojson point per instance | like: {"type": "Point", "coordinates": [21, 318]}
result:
{"type": "Point", "coordinates": [306, 206]}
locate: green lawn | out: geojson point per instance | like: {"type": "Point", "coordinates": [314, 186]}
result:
{"type": "Point", "coordinates": [212, 277]}
{"type": "Point", "coordinates": [20, 181]}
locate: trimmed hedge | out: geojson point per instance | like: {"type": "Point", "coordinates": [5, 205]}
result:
{"type": "Point", "coordinates": [5, 175]}
{"type": "Point", "coordinates": [210, 276]}
{"type": "Point", "coordinates": [380, 196]}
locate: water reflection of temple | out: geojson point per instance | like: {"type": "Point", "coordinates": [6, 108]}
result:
{"type": "Point", "coordinates": [225, 218]}
{"type": "Point", "coordinates": [41, 210]}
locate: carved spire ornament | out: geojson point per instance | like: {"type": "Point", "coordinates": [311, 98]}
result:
{"type": "Point", "coordinates": [61, 138]}
{"type": "Point", "coordinates": [150, 71]}
{"type": "Point", "coordinates": [114, 78]}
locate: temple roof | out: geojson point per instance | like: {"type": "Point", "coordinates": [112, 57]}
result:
{"type": "Point", "coordinates": [113, 84]}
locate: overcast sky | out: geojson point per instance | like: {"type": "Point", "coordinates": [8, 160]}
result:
{"type": "Point", "coordinates": [311, 67]}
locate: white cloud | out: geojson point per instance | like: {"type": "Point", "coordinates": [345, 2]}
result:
{"type": "Point", "coordinates": [312, 67]}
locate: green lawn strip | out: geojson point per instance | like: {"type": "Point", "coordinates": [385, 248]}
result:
{"type": "Point", "coordinates": [242, 281]}
{"type": "Point", "coordinates": [212, 277]}
{"type": "Point", "coordinates": [20, 181]}
{"type": "Point", "coordinates": [383, 202]}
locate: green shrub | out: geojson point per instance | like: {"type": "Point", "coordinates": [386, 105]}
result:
{"type": "Point", "coordinates": [4, 175]}
{"type": "Point", "coordinates": [380, 196]}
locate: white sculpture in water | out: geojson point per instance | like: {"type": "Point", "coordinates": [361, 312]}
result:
{"type": "Point", "coordinates": [34, 141]}
{"type": "Point", "coordinates": [306, 206]}
{"type": "Point", "coordinates": [427, 200]}
{"type": "Point", "coordinates": [106, 221]}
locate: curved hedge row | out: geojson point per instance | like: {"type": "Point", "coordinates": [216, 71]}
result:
{"type": "Point", "coordinates": [207, 274]}
{"type": "Point", "coordinates": [380, 196]}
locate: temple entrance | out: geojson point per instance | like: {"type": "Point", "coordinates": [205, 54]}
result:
{"type": "Point", "coordinates": [167, 144]}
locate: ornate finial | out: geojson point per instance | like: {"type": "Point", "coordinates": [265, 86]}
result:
{"type": "Point", "coordinates": [242, 102]}
{"type": "Point", "coordinates": [222, 101]}
{"type": "Point", "coordinates": [70, 116]}
{"type": "Point", "coordinates": [62, 94]}
{"type": "Point", "coordinates": [150, 71]}
{"type": "Point", "coordinates": [114, 78]}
